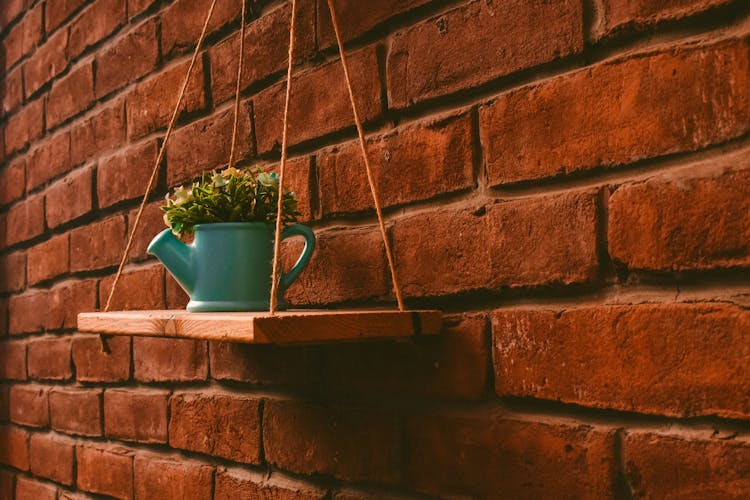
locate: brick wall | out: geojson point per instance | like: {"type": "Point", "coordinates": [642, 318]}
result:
{"type": "Point", "coordinates": [568, 180]}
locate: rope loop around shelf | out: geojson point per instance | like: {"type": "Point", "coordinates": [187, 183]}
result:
{"type": "Point", "coordinates": [284, 147]}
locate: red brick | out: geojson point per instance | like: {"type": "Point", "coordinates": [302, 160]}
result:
{"type": "Point", "coordinates": [177, 298]}
{"type": "Point", "coordinates": [182, 22]}
{"type": "Point", "coordinates": [4, 403]}
{"type": "Point", "coordinates": [141, 288]}
{"type": "Point", "coordinates": [24, 126]}
{"type": "Point", "coordinates": [76, 411]}
{"type": "Point", "coordinates": [453, 365]}
{"type": "Point", "coordinates": [136, 415]}
{"type": "Point", "coordinates": [51, 457]}
{"type": "Point", "coordinates": [618, 15]}
{"type": "Point", "coordinates": [519, 459]}
{"type": "Point", "coordinates": [48, 259]}
{"type": "Point", "coordinates": [670, 359]}
{"type": "Point", "coordinates": [23, 38]}
{"type": "Point", "coordinates": [3, 325]}
{"type": "Point", "coordinates": [70, 197]}
{"type": "Point", "coordinates": [94, 365]}
{"type": "Point", "coordinates": [134, 55]}
{"type": "Point", "coordinates": [151, 103]}
{"type": "Point", "coordinates": [662, 466]}
{"type": "Point", "coordinates": [29, 489]}
{"type": "Point", "coordinates": [68, 298]}
{"type": "Point", "coordinates": [70, 95]}
{"type": "Point", "coordinates": [97, 22]}
{"type": "Point", "coordinates": [698, 220]}
{"type": "Point", "coordinates": [169, 360]}
{"type": "Point", "coordinates": [524, 136]}
{"type": "Point", "coordinates": [25, 219]}
{"type": "Point", "coordinates": [13, 360]}
{"type": "Point", "coordinates": [531, 242]}
{"type": "Point", "coordinates": [58, 11]}
{"type": "Point", "coordinates": [265, 51]}
{"type": "Point", "coordinates": [12, 180]}
{"type": "Point", "coordinates": [157, 478]}
{"type": "Point", "coordinates": [13, 272]}
{"type": "Point", "coordinates": [136, 7]}
{"type": "Point", "coordinates": [331, 113]}
{"type": "Point", "coordinates": [242, 484]}
{"type": "Point", "coordinates": [29, 405]}
{"type": "Point", "coordinates": [49, 359]}
{"type": "Point", "coordinates": [296, 366]}
{"type": "Point", "coordinates": [105, 470]}
{"type": "Point", "coordinates": [48, 160]}
{"type": "Point", "coordinates": [12, 89]}
{"type": "Point", "coordinates": [410, 163]}
{"type": "Point", "coordinates": [351, 445]}
{"type": "Point", "coordinates": [151, 224]}
{"type": "Point", "coordinates": [359, 258]}
{"type": "Point", "coordinates": [205, 144]}
{"type": "Point", "coordinates": [97, 245]}
{"type": "Point", "coordinates": [33, 29]}
{"type": "Point", "coordinates": [104, 130]}
{"type": "Point", "coordinates": [358, 18]}
{"type": "Point", "coordinates": [46, 63]}
{"type": "Point", "coordinates": [452, 52]}
{"type": "Point", "coordinates": [7, 483]}
{"type": "Point", "coordinates": [27, 312]}
{"type": "Point", "coordinates": [10, 11]}
{"type": "Point", "coordinates": [125, 175]}
{"type": "Point", "coordinates": [223, 425]}
{"type": "Point", "coordinates": [14, 447]}
{"type": "Point", "coordinates": [12, 47]}
{"type": "Point", "coordinates": [3, 228]}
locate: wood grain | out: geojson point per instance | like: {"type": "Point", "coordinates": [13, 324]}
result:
{"type": "Point", "coordinates": [288, 327]}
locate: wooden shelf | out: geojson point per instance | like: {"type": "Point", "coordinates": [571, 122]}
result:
{"type": "Point", "coordinates": [288, 327]}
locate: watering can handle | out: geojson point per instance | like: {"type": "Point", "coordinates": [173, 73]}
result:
{"type": "Point", "coordinates": [297, 230]}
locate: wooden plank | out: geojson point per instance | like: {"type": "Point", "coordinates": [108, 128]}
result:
{"type": "Point", "coordinates": [288, 327]}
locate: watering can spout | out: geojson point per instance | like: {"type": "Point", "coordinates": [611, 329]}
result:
{"type": "Point", "coordinates": [176, 257]}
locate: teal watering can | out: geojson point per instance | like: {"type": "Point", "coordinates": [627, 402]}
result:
{"type": "Point", "coordinates": [228, 265]}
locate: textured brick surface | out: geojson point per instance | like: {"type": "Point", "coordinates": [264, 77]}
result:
{"type": "Point", "coordinates": [52, 457]}
{"type": "Point", "coordinates": [105, 470]}
{"type": "Point", "coordinates": [690, 222]}
{"type": "Point", "coordinates": [449, 52]}
{"type": "Point", "coordinates": [240, 483]}
{"type": "Point", "coordinates": [660, 466]}
{"type": "Point", "coordinates": [673, 359]}
{"type": "Point", "coordinates": [332, 113]}
{"type": "Point", "coordinates": [524, 138]}
{"type": "Point", "coordinates": [221, 425]}
{"type": "Point", "coordinates": [351, 445]}
{"type": "Point", "coordinates": [29, 406]}
{"type": "Point", "coordinates": [526, 242]}
{"type": "Point", "coordinates": [410, 163]}
{"type": "Point", "coordinates": [76, 411]}
{"type": "Point", "coordinates": [516, 458]}
{"type": "Point", "coordinates": [160, 479]}
{"type": "Point", "coordinates": [136, 415]}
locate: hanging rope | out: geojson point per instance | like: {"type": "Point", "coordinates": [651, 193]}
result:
{"type": "Point", "coordinates": [284, 129]}
{"type": "Point", "coordinates": [284, 144]}
{"type": "Point", "coordinates": [237, 91]}
{"type": "Point", "coordinates": [160, 156]}
{"type": "Point", "coordinates": [366, 157]}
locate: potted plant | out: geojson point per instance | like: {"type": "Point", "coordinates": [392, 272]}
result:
{"type": "Point", "coordinates": [232, 214]}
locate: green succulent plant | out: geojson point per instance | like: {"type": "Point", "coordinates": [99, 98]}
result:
{"type": "Point", "coordinates": [230, 195]}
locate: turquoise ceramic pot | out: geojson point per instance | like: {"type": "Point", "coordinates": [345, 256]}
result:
{"type": "Point", "coordinates": [228, 266]}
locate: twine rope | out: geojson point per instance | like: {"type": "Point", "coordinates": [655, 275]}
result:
{"type": "Point", "coordinates": [282, 165]}
{"type": "Point", "coordinates": [237, 90]}
{"type": "Point", "coordinates": [160, 156]}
